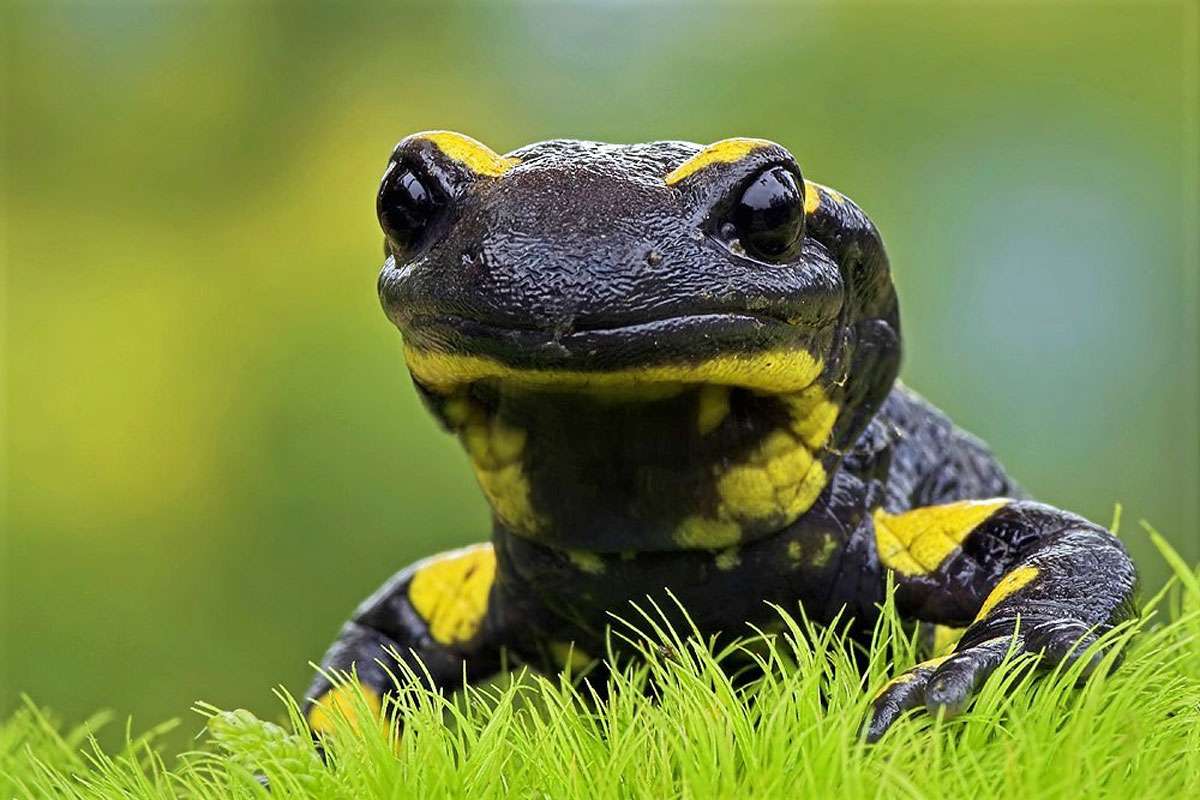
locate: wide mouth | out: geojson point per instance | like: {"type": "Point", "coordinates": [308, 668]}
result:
{"type": "Point", "coordinates": [760, 353]}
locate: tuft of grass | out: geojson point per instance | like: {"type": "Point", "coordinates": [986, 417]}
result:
{"type": "Point", "coordinates": [676, 725]}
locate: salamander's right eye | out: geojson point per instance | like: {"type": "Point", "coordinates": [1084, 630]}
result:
{"type": "Point", "coordinates": [406, 206]}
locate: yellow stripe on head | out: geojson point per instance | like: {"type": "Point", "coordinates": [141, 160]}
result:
{"type": "Point", "coordinates": [472, 154]}
{"type": "Point", "coordinates": [725, 151]}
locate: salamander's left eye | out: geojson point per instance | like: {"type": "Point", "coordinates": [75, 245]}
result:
{"type": "Point", "coordinates": [406, 205]}
{"type": "Point", "coordinates": [768, 217]}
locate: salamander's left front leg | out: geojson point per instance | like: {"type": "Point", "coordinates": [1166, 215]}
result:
{"type": "Point", "coordinates": [1026, 576]}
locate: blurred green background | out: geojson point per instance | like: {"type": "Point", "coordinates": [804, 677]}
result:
{"type": "Point", "coordinates": [213, 451]}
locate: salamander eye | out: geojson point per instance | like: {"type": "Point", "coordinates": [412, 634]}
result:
{"type": "Point", "coordinates": [406, 206]}
{"type": "Point", "coordinates": [768, 217]}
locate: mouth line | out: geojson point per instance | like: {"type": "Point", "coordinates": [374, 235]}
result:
{"type": "Point", "coordinates": [572, 327]}
{"type": "Point", "coordinates": [446, 352]}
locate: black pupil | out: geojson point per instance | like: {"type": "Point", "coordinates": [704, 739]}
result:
{"type": "Point", "coordinates": [405, 207]}
{"type": "Point", "coordinates": [769, 216]}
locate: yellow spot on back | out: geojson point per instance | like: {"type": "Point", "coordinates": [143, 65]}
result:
{"type": "Point", "coordinates": [342, 701]}
{"type": "Point", "coordinates": [587, 562]}
{"type": "Point", "coordinates": [785, 370]}
{"type": "Point", "coordinates": [473, 154]}
{"type": "Point", "coordinates": [713, 407]}
{"type": "Point", "coordinates": [723, 152]}
{"type": "Point", "coordinates": [918, 542]}
{"type": "Point", "coordinates": [1006, 587]}
{"type": "Point", "coordinates": [727, 559]}
{"type": "Point", "coordinates": [450, 592]}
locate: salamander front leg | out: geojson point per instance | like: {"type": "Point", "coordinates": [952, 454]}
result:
{"type": "Point", "coordinates": [1064, 581]}
{"type": "Point", "coordinates": [434, 615]}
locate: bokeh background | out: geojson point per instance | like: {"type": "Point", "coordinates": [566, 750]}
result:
{"type": "Point", "coordinates": [213, 451]}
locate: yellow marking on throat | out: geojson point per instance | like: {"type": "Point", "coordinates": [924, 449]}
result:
{"type": "Point", "coordinates": [496, 450]}
{"type": "Point", "coordinates": [450, 592]}
{"type": "Point", "coordinates": [712, 408]}
{"type": "Point", "coordinates": [343, 701]}
{"type": "Point", "coordinates": [725, 151]}
{"type": "Point", "coordinates": [1009, 585]}
{"type": "Point", "coordinates": [918, 542]}
{"type": "Point", "coordinates": [775, 371]}
{"type": "Point", "coordinates": [776, 482]}
{"type": "Point", "coordinates": [472, 154]}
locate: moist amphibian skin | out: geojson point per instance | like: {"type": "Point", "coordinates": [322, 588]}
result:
{"type": "Point", "coordinates": [673, 366]}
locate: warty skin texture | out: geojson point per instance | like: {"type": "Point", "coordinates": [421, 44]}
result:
{"type": "Point", "coordinates": [673, 367]}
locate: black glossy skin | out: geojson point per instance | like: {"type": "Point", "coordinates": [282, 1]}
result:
{"type": "Point", "coordinates": [583, 259]}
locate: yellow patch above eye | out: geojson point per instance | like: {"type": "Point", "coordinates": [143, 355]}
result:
{"type": "Point", "coordinates": [917, 542]}
{"type": "Point", "coordinates": [450, 592]}
{"type": "Point", "coordinates": [725, 151]}
{"type": "Point", "coordinates": [474, 155]}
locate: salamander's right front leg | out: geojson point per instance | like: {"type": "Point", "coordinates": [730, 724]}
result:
{"type": "Point", "coordinates": [435, 611]}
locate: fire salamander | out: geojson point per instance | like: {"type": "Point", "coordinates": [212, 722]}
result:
{"type": "Point", "coordinates": [673, 367]}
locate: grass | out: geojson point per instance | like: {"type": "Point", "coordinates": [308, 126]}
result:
{"type": "Point", "coordinates": [676, 726]}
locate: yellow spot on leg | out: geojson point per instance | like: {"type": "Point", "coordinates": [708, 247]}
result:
{"type": "Point", "coordinates": [911, 675]}
{"type": "Point", "coordinates": [342, 701]}
{"type": "Point", "coordinates": [450, 592]}
{"type": "Point", "coordinates": [1006, 587]}
{"type": "Point", "coordinates": [918, 542]}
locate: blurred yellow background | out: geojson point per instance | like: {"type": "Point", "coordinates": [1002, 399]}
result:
{"type": "Point", "coordinates": [213, 449]}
